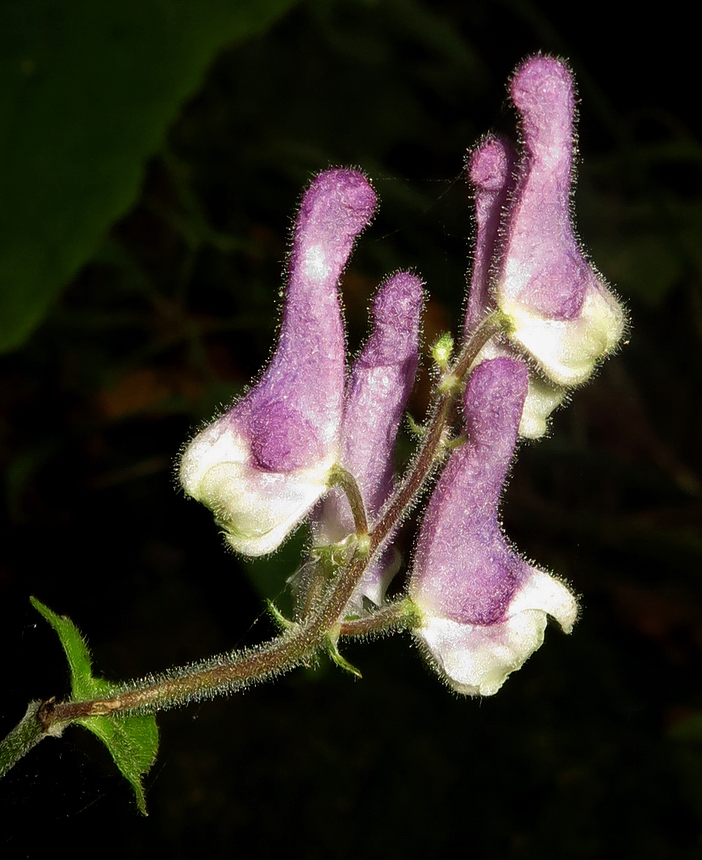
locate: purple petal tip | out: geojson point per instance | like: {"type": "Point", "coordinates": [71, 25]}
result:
{"type": "Point", "coordinates": [543, 91]}
{"type": "Point", "coordinates": [396, 309]}
{"type": "Point", "coordinates": [341, 197]}
{"type": "Point", "coordinates": [540, 80]}
{"type": "Point", "coordinates": [493, 402]}
{"type": "Point", "coordinates": [490, 165]}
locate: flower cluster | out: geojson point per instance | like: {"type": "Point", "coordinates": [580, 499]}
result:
{"type": "Point", "coordinates": [310, 441]}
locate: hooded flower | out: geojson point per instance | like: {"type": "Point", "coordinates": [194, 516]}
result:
{"type": "Point", "coordinates": [264, 463]}
{"type": "Point", "coordinates": [380, 383]}
{"type": "Point", "coordinates": [562, 312]}
{"type": "Point", "coordinates": [483, 607]}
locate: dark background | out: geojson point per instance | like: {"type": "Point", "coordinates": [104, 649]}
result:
{"type": "Point", "coordinates": [592, 750]}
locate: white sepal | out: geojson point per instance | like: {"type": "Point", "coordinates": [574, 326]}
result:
{"type": "Point", "coordinates": [256, 509]}
{"type": "Point", "coordinates": [567, 351]}
{"type": "Point", "coordinates": [476, 659]}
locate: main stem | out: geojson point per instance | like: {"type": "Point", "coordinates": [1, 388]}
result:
{"type": "Point", "coordinates": [299, 641]}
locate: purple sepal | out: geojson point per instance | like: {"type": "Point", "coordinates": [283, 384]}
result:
{"type": "Point", "coordinates": [483, 607]}
{"type": "Point", "coordinates": [264, 463]}
{"type": "Point", "coordinates": [561, 310]}
{"type": "Point", "coordinates": [376, 395]}
{"type": "Point", "coordinates": [490, 171]}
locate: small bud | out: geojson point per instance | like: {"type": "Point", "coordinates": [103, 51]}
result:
{"type": "Point", "coordinates": [262, 465]}
{"type": "Point", "coordinates": [483, 607]}
{"type": "Point", "coordinates": [442, 350]}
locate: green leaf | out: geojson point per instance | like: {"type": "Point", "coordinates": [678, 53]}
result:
{"type": "Point", "coordinates": [87, 91]}
{"type": "Point", "coordinates": [132, 739]}
{"type": "Point", "coordinates": [83, 685]}
{"type": "Point", "coordinates": [341, 661]}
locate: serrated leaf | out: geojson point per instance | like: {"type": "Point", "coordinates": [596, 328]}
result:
{"type": "Point", "coordinates": [132, 739]}
{"type": "Point", "coordinates": [83, 685]}
{"type": "Point", "coordinates": [88, 91]}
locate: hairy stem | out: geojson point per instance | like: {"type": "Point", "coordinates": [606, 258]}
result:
{"type": "Point", "coordinates": [300, 641]}
{"type": "Point", "coordinates": [397, 615]}
{"type": "Point", "coordinates": [26, 734]}
{"type": "Point", "coordinates": [432, 445]}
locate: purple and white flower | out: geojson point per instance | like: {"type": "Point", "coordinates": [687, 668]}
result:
{"type": "Point", "coordinates": [562, 313]}
{"type": "Point", "coordinates": [527, 261]}
{"type": "Point", "coordinates": [483, 607]}
{"type": "Point", "coordinates": [265, 462]}
{"type": "Point", "coordinates": [275, 457]}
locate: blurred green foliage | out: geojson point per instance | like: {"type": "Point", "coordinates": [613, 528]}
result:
{"type": "Point", "coordinates": [88, 90]}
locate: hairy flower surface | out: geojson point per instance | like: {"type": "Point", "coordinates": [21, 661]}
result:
{"type": "Point", "coordinates": [380, 383]}
{"type": "Point", "coordinates": [264, 463]}
{"type": "Point", "coordinates": [306, 442]}
{"type": "Point", "coordinates": [483, 607]}
{"type": "Point", "coordinates": [490, 172]}
{"type": "Point", "coordinates": [562, 312]}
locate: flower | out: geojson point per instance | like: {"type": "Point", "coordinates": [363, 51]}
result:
{"type": "Point", "coordinates": [561, 311]}
{"type": "Point", "coordinates": [483, 607]}
{"type": "Point", "coordinates": [263, 464]}
{"type": "Point", "coordinates": [527, 260]}
{"type": "Point", "coordinates": [380, 383]}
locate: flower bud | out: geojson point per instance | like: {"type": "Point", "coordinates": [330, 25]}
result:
{"type": "Point", "coordinates": [490, 169]}
{"type": "Point", "coordinates": [264, 463]}
{"type": "Point", "coordinates": [483, 607]}
{"type": "Point", "coordinates": [380, 383]}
